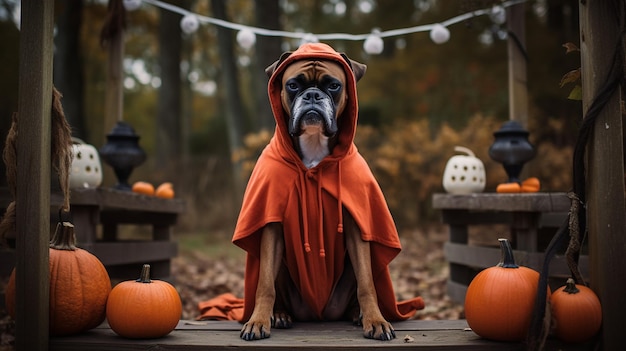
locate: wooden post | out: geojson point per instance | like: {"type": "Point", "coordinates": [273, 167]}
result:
{"type": "Point", "coordinates": [114, 89]}
{"type": "Point", "coordinates": [33, 175]}
{"type": "Point", "coordinates": [114, 99]}
{"type": "Point", "coordinates": [599, 36]}
{"type": "Point", "coordinates": [518, 91]}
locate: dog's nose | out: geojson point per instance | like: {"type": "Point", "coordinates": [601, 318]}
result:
{"type": "Point", "coordinates": [312, 95]}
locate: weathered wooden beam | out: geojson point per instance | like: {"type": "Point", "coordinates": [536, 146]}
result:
{"type": "Point", "coordinates": [33, 175]}
{"type": "Point", "coordinates": [516, 47]}
{"type": "Point", "coordinates": [600, 35]}
{"type": "Point", "coordinates": [424, 335]}
{"type": "Point", "coordinates": [114, 98]}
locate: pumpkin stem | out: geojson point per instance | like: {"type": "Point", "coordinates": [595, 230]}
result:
{"type": "Point", "coordinates": [570, 287]}
{"type": "Point", "coordinates": [64, 237]}
{"type": "Point", "coordinates": [144, 277]}
{"type": "Point", "coordinates": [465, 150]}
{"type": "Point", "coordinates": [507, 260]}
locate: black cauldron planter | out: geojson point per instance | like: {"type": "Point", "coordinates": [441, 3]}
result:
{"type": "Point", "coordinates": [511, 148]}
{"type": "Point", "coordinates": [122, 153]}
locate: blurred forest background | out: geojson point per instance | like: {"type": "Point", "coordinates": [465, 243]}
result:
{"type": "Point", "coordinates": [199, 100]}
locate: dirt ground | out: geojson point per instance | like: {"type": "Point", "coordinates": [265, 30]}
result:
{"type": "Point", "coordinates": [419, 270]}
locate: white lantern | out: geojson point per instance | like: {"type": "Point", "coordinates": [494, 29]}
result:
{"type": "Point", "coordinates": [86, 170]}
{"type": "Point", "coordinates": [464, 174]}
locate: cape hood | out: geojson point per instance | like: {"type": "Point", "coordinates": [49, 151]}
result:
{"type": "Point", "coordinates": [308, 203]}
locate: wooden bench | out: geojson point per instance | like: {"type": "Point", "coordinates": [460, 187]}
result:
{"type": "Point", "coordinates": [532, 219]}
{"type": "Point", "coordinates": [97, 215]}
{"type": "Point", "coordinates": [224, 335]}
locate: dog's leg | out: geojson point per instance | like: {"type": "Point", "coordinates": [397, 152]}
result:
{"type": "Point", "coordinates": [271, 253]}
{"type": "Point", "coordinates": [374, 324]}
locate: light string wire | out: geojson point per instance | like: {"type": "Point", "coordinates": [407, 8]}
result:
{"type": "Point", "coordinates": [329, 36]}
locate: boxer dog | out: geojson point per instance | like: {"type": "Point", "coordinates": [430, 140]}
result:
{"type": "Point", "coordinates": [313, 97]}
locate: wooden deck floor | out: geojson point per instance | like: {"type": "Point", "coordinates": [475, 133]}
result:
{"type": "Point", "coordinates": [213, 335]}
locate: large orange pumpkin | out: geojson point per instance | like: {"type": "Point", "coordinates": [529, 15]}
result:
{"type": "Point", "coordinates": [499, 300]}
{"type": "Point", "coordinates": [143, 308]}
{"type": "Point", "coordinates": [576, 312]}
{"type": "Point", "coordinates": [79, 286]}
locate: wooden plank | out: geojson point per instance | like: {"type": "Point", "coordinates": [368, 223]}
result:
{"type": "Point", "coordinates": [456, 291]}
{"type": "Point", "coordinates": [465, 217]}
{"type": "Point", "coordinates": [600, 37]}
{"type": "Point", "coordinates": [535, 202]}
{"type": "Point", "coordinates": [113, 198]}
{"type": "Point", "coordinates": [124, 252]}
{"type": "Point", "coordinates": [159, 270]}
{"type": "Point", "coordinates": [33, 175]}
{"type": "Point", "coordinates": [518, 90]}
{"type": "Point", "coordinates": [124, 216]}
{"type": "Point", "coordinates": [483, 257]}
{"type": "Point", "coordinates": [213, 335]}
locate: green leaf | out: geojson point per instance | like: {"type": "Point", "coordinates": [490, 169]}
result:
{"type": "Point", "coordinates": [576, 93]}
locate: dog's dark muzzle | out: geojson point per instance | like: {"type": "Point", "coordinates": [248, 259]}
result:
{"type": "Point", "coordinates": [313, 107]}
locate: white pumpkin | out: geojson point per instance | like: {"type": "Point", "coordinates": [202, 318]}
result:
{"type": "Point", "coordinates": [86, 170]}
{"type": "Point", "coordinates": [464, 174]}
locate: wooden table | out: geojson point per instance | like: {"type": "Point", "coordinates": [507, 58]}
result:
{"type": "Point", "coordinates": [529, 217]}
{"type": "Point", "coordinates": [103, 210]}
{"type": "Point", "coordinates": [112, 208]}
{"type": "Point", "coordinates": [224, 335]}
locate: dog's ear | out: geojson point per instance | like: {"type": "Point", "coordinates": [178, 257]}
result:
{"type": "Point", "coordinates": [357, 67]}
{"type": "Point", "coordinates": [271, 68]}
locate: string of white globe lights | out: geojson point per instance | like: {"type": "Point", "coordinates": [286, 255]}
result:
{"type": "Point", "coordinates": [373, 42]}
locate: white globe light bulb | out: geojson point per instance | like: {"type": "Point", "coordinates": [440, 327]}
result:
{"type": "Point", "coordinates": [189, 23]}
{"type": "Point", "coordinates": [246, 38]}
{"type": "Point", "coordinates": [498, 14]}
{"type": "Point", "coordinates": [373, 45]}
{"type": "Point", "coordinates": [439, 34]}
{"type": "Point", "coordinates": [132, 5]}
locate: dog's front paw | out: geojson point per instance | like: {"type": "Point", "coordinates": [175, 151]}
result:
{"type": "Point", "coordinates": [281, 320]}
{"type": "Point", "coordinates": [255, 330]}
{"type": "Point", "coordinates": [378, 329]}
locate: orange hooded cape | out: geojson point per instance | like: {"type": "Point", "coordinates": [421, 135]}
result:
{"type": "Point", "coordinates": [308, 203]}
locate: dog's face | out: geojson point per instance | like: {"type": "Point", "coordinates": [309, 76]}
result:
{"type": "Point", "coordinates": [313, 95]}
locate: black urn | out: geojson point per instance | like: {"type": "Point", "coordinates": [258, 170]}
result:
{"type": "Point", "coordinates": [512, 148]}
{"type": "Point", "coordinates": [123, 153]}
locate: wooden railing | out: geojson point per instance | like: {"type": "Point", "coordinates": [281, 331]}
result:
{"type": "Point", "coordinates": [532, 219]}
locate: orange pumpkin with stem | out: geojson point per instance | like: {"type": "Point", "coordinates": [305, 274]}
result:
{"type": "Point", "coordinates": [576, 312]}
{"type": "Point", "coordinates": [499, 300]}
{"type": "Point", "coordinates": [79, 286]}
{"type": "Point", "coordinates": [143, 308]}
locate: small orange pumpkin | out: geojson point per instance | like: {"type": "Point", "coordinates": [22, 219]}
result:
{"type": "Point", "coordinates": [499, 300]}
{"type": "Point", "coordinates": [576, 312]}
{"type": "Point", "coordinates": [79, 286]}
{"type": "Point", "coordinates": [143, 308]}
{"type": "Point", "coordinates": [144, 188]}
{"type": "Point", "coordinates": [508, 188]}
{"type": "Point", "coordinates": [165, 191]}
{"type": "Point", "coordinates": [531, 185]}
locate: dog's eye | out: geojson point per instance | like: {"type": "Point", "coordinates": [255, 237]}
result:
{"type": "Point", "coordinates": [291, 86]}
{"type": "Point", "coordinates": [334, 86]}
